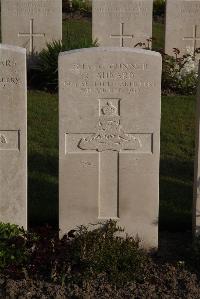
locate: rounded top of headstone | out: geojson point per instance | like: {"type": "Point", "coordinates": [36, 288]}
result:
{"type": "Point", "coordinates": [12, 48]}
{"type": "Point", "coordinates": [112, 49]}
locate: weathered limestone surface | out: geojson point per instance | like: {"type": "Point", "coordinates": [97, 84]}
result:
{"type": "Point", "coordinates": [109, 105]}
{"type": "Point", "coordinates": [13, 135]}
{"type": "Point", "coordinates": [122, 23]}
{"type": "Point", "coordinates": [182, 26]}
{"type": "Point", "coordinates": [31, 23]}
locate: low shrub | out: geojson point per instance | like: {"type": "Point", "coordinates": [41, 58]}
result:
{"type": "Point", "coordinates": [95, 262]}
{"type": "Point", "coordinates": [84, 254]}
{"type": "Point", "coordinates": [13, 249]}
{"type": "Point", "coordinates": [43, 73]}
{"type": "Point", "coordinates": [179, 74]}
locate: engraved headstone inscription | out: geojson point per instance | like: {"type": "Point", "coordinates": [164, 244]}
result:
{"type": "Point", "coordinates": [182, 30]}
{"type": "Point", "coordinates": [31, 24]}
{"type": "Point", "coordinates": [109, 139]}
{"type": "Point", "coordinates": [13, 148]}
{"type": "Point", "coordinates": [122, 23]}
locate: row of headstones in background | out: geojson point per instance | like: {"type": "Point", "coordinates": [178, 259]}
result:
{"type": "Point", "coordinates": [127, 23]}
{"type": "Point", "coordinates": [183, 32]}
{"type": "Point", "coordinates": [122, 23]}
{"type": "Point", "coordinates": [31, 24]}
{"type": "Point", "coordinates": [109, 138]}
{"type": "Point", "coordinates": [182, 26]}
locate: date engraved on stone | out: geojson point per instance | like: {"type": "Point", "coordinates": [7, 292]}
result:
{"type": "Point", "coordinates": [127, 10]}
{"type": "Point", "coordinates": [25, 8]}
{"type": "Point", "coordinates": [10, 140]}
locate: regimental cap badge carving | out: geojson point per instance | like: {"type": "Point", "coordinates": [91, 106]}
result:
{"type": "Point", "coordinates": [109, 109]}
{"type": "Point", "coordinates": [109, 136]}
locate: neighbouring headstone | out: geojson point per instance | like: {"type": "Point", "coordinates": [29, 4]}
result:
{"type": "Point", "coordinates": [182, 28]}
{"type": "Point", "coordinates": [196, 191]}
{"type": "Point", "coordinates": [31, 23]}
{"type": "Point", "coordinates": [13, 135]}
{"type": "Point", "coordinates": [122, 23]}
{"type": "Point", "coordinates": [110, 139]}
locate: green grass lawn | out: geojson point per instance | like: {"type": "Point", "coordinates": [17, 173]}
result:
{"type": "Point", "coordinates": [177, 156]}
{"type": "Point", "coordinates": [158, 36]}
{"type": "Point", "coordinates": [82, 29]}
{"type": "Point", "coordinates": [77, 30]}
{"type": "Point", "coordinates": [42, 158]}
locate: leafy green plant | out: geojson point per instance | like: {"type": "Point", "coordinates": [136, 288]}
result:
{"type": "Point", "coordinates": [179, 74]}
{"type": "Point", "coordinates": [103, 250]}
{"type": "Point", "coordinates": [82, 6]}
{"type": "Point", "coordinates": [12, 245]}
{"type": "Point", "coordinates": [43, 74]}
{"type": "Point", "coordinates": [93, 261]}
{"type": "Point", "coordinates": [86, 253]}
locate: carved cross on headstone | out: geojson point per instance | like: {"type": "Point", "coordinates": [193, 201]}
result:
{"type": "Point", "coordinates": [123, 36]}
{"type": "Point", "coordinates": [31, 36]}
{"type": "Point", "coordinates": [193, 38]}
{"type": "Point", "coordinates": [109, 141]}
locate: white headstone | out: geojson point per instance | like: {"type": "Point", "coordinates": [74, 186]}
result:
{"type": "Point", "coordinates": [110, 139]}
{"type": "Point", "coordinates": [13, 135]}
{"type": "Point", "coordinates": [122, 23]}
{"type": "Point", "coordinates": [182, 26]}
{"type": "Point", "coordinates": [31, 23]}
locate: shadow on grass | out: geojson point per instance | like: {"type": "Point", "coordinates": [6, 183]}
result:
{"type": "Point", "coordinates": [176, 193]}
{"type": "Point", "coordinates": [43, 190]}
{"type": "Point", "coordinates": [43, 163]}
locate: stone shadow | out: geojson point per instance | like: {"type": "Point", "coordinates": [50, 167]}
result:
{"type": "Point", "coordinates": [176, 195]}
{"type": "Point", "coordinates": [43, 190]}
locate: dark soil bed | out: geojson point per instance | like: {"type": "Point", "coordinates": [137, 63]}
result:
{"type": "Point", "coordinates": [176, 285]}
{"type": "Point", "coordinates": [100, 265]}
{"type": "Point", "coordinates": [164, 280]}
